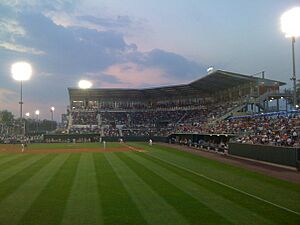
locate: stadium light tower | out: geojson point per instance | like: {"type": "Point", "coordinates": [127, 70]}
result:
{"type": "Point", "coordinates": [290, 25]}
{"type": "Point", "coordinates": [37, 113]}
{"type": "Point", "coordinates": [21, 71]}
{"type": "Point", "coordinates": [52, 111]}
{"type": "Point", "coordinates": [85, 84]}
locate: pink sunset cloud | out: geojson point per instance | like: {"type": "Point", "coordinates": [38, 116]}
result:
{"type": "Point", "coordinates": [131, 75]}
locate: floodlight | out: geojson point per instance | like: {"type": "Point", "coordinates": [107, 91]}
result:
{"type": "Point", "coordinates": [290, 25]}
{"type": "Point", "coordinates": [27, 114]}
{"type": "Point", "coordinates": [21, 71]}
{"type": "Point", "coordinates": [51, 111]}
{"type": "Point", "coordinates": [37, 112]}
{"type": "Point", "coordinates": [84, 84]}
{"type": "Point", "coordinates": [290, 22]}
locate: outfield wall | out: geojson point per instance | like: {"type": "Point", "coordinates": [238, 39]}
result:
{"type": "Point", "coordinates": [274, 154]}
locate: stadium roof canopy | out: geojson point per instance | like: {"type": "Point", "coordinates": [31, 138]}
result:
{"type": "Point", "coordinates": [215, 81]}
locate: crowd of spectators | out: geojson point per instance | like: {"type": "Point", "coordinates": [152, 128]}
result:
{"type": "Point", "coordinates": [148, 117]}
{"type": "Point", "coordinates": [17, 139]}
{"type": "Point", "coordinates": [280, 130]}
{"type": "Point", "coordinates": [84, 117]}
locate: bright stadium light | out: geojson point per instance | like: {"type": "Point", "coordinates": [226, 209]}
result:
{"type": "Point", "coordinates": [290, 22]}
{"type": "Point", "coordinates": [84, 84]}
{"type": "Point", "coordinates": [290, 25]}
{"type": "Point", "coordinates": [37, 113]}
{"type": "Point", "coordinates": [52, 111]}
{"type": "Point", "coordinates": [21, 71]}
{"type": "Point", "coordinates": [27, 114]}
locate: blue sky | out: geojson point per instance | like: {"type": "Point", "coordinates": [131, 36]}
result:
{"type": "Point", "coordinates": [135, 43]}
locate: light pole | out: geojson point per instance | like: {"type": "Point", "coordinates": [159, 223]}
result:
{"type": "Point", "coordinates": [21, 71]}
{"type": "Point", "coordinates": [290, 25]}
{"type": "Point", "coordinates": [26, 122]}
{"type": "Point", "coordinates": [37, 113]}
{"type": "Point", "coordinates": [52, 111]}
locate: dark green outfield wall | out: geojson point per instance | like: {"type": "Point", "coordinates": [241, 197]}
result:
{"type": "Point", "coordinates": [279, 155]}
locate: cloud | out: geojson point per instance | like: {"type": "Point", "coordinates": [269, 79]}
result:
{"type": "Point", "coordinates": [134, 75]}
{"type": "Point", "coordinates": [79, 20]}
{"type": "Point", "coordinates": [37, 5]}
{"type": "Point", "coordinates": [7, 96]}
{"type": "Point", "coordinates": [19, 48]}
{"type": "Point", "coordinates": [65, 46]}
{"type": "Point", "coordinates": [72, 52]}
{"type": "Point", "coordinates": [11, 27]}
{"type": "Point", "coordinates": [175, 65]}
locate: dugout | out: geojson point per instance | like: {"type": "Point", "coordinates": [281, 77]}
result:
{"type": "Point", "coordinates": [217, 142]}
{"type": "Point", "coordinates": [287, 156]}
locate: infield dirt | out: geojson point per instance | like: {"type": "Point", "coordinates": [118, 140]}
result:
{"type": "Point", "coordinates": [18, 150]}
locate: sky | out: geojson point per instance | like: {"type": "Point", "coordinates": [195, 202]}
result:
{"type": "Point", "coordinates": [135, 44]}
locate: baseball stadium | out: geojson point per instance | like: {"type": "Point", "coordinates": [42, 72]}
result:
{"type": "Point", "coordinates": [223, 149]}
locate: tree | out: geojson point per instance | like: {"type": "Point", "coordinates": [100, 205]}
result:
{"type": "Point", "coordinates": [6, 117]}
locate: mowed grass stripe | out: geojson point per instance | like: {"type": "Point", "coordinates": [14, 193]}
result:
{"type": "Point", "coordinates": [222, 206]}
{"type": "Point", "coordinates": [7, 158]}
{"type": "Point", "coordinates": [83, 205]}
{"type": "Point", "coordinates": [6, 163]}
{"type": "Point", "coordinates": [194, 211]}
{"type": "Point", "coordinates": [15, 166]}
{"type": "Point", "coordinates": [271, 189]}
{"type": "Point", "coordinates": [266, 210]}
{"type": "Point", "coordinates": [12, 183]}
{"type": "Point", "coordinates": [6, 155]}
{"type": "Point", "coordinates": [153, 207]}
{"type": "Point", "coordinates": [16, 204]}
{"type": "Point", "coordinates": [117, 206]}
{"type": "Point", "coordinates": [49, 207]}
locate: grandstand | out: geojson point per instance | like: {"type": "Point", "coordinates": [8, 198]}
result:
{"type": "Point", "coordinates": [216, 86]}
{"type": "Point", "coordinates": [161, 111]}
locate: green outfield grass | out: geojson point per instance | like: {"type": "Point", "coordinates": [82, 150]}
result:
{"type": "Point", "coordinates": [73, 145]}
{"type": "Point", "coordinates": [159, 186]}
